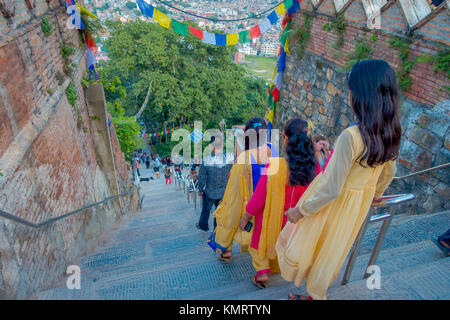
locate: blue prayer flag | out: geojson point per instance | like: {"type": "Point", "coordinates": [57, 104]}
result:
{"type": "Point", "coordinates": [282, 61]}
{"type": "Point", "coordinates": [147, 9]}
{"type": "Point", "coordinates": [221, 39]}
{"type": "Point", "coordinates": [294, 8]}
{"type": "Point", "coordinates": [273, 17]}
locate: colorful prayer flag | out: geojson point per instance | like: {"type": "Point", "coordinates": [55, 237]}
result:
{"type": "Point", "coordinates": [161, 18]}
{"type": "Point", "coordinates": [90, 58]}
{"type": "Point", "coordinates": [209, 38]}
{"type": "Point", "coordinates": [147, 9]}
{"type": "Point", "coordinates": [282, 61]}
{"type": "Point", "coordinates": [91, 45]}
{"type": "Point", "coordinates": [281, 9]}
{"type": "Point", "coordinates": [76, 21]}
{"type": "Point", "coordinates": [221, 39]}
{"type": "Point", "coordinates": [273, 17]}
{"type": "Point", "coordinates": [286, 46]}
{"type": "Point", "coordinates": [196, 32]}
{"type": "Point", "coordinates": [86, 12]}
{"type": "Point", "coordinates": [232, 39]}
{"type": "Point", "coordinates": [294, 7]}
{"type": "Point", "coordinates": [244, 36]}
{"type": "Point", "coordinates": [255, 32]}
{"type": "Point", "coordinates": [264, 25]}
{"type": "Point", "coordinates": [179, 27]}
{"type": "Point", "coordinates": [288, 4]}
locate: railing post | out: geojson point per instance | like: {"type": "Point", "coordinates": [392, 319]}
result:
{"type": "Point", "coordinates": [377, 248]}
{"type": "Point", "coordinates": [195, 199]}
{"type": "Point", "coordinates": [354, 251]}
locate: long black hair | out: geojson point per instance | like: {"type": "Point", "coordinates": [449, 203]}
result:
{"type": "Point", "coordinates": [375, 100]}
{"type": "Point", "coordinates": [260, 127]}
{"type": "Point", "coordinates": [299, 153]}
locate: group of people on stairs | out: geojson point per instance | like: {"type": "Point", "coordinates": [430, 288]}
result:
{"type": "Point", "coordinates": [299, 214]}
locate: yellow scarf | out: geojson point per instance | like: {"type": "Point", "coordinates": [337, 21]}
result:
{"type": "Point", "coordinates": [237, 193]}
{"type": "Point", "coordinates": [274, 207]}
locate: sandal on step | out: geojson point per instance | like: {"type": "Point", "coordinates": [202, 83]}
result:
{"type": "Point", "coordinates": [259, 284]}
{"type": "Point", "coordinates": [299, 297]}
{"type": "Point", "coordinates": [224, 259]}
{"type": "Point", "coordinates": [444, 249]}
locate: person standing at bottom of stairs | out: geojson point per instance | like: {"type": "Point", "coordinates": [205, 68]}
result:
{"type": "Point", "coordinates": [212, 179]}
{"type": "Point", "coordinates": [325, 222]}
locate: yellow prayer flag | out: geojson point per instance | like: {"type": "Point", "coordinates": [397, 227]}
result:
{"type": "Point", "coordinates": [274, 74]}
{"type": "Point", "coordinates": [281, 9]}
{"type": "Point", "coordinates": [310, 126]}
{"type": "Point", "coordinates": [232, 39]}
{"type": "Point", "coordinates": [86, 12]}
{"type": "Point", "coordinates": [270, 115]}
{"type": "Point", "coordinates": [161, 18]}
{"type": "Point", "coordinates": [286, 46]}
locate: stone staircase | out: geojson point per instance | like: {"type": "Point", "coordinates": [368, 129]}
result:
{"type": "Point", "coordinates": [159, 254]}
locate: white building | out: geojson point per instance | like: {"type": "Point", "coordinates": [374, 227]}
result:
{"type": "Point", "coordinates": [270, 49]}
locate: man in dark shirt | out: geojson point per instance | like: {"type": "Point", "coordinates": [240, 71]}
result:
{"type": "Point", "coordinates": [213, 179]}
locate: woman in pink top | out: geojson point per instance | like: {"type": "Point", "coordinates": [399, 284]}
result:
{"type": "Point", "coordinates": [280, 187]}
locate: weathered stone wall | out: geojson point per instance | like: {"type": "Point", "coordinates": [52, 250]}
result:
{"type": "Point", "coordinates": [314, 89]}
{"type": "Point", "coordinates": [47, 155]}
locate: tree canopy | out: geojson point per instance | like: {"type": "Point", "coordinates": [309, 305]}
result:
{"type": "Point", "coordinates": [190, 80]}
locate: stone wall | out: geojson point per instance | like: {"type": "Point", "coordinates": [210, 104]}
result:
{"type": "Point", "coordinates": [48, 155]}
{"type": "Point", "coordinates": [314, 88]}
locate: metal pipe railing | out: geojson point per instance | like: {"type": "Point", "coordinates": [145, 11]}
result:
{"type": "Point", "coordinates": [386, 217]}
{"type": "Point", "coordinates": [24, 222]}
{"type": "Point", "coordinates": [442, 166]}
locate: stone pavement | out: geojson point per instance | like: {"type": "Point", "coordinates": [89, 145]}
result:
{"type": "Point", "coordinates": [159, 254]}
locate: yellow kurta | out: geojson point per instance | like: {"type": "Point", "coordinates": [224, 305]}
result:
{"type": "Point", "coordinates": [335, 206]}
{"type": "Point", "coordinates": [238, 192]}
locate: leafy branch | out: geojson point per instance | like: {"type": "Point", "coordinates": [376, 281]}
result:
{"type": "Point", "coordinates": [363, 50]}
{"type": "Point", "coordinates": [303, 34]}
{"type": "Point", "coordinates": [339, 26]}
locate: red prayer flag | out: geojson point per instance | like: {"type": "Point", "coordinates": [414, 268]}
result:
{"type": "Point", "coordinates": [91, 45]}
{"type": "Point", "coordinates": [196, 32]}
{"type": "Point", "coordinates": [255, 32]}
{"type": "Point", "coordinates": [276, 94]}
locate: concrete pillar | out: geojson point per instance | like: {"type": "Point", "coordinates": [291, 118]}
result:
{"type": "Point", "coordinates": [96, 103]}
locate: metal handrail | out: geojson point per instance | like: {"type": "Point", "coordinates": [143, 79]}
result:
{"type": "Point", "coordinates": [386, 217]}
{"type": "Point", "coordinates": [442, 166]}
{"type": "Point", "coordinates": [27, 223]}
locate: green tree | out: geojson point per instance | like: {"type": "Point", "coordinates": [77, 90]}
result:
{"type": "Point", "coordinates": [128, 133]}
{"type": "Point", "coordinates": [190, 80]}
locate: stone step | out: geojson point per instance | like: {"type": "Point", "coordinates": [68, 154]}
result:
{"type": "Point", "coordinates": [159, 254]}
{"type": "Point", "coordinates": [428, 281]}
{"type": "Point", "coordinates": [397, 259]}
{"type": "Point", "coordinates": [407, 229]}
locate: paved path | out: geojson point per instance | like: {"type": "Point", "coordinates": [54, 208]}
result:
{"type": "Point", "coordinates": [159, 254]}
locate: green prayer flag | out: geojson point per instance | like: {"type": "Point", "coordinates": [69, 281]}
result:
{"type": "Point", "coordinates": [244, 36]}
{"type": "Point", "coordinates": [179, 27]}
{"type": "Point", "coordinates": [288, 4]}
{"type": "Point", "coordinates": [285, 33]}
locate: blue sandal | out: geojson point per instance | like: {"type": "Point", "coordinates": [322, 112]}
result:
{"type": "Point", "coordinates": [444, 249]}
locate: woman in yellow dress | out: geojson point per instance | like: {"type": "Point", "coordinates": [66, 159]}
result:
{"type": "Point", "coordinates": [279, 188]}
{"type": "Point", "coordinates": [324, 224]}
{"type": "Point", "coordinates": [243, 179]}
